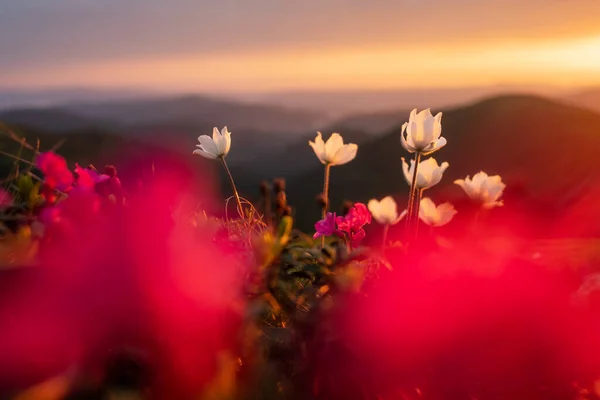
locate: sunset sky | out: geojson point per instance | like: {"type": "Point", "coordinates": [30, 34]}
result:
{"type": "Point", "coordinates": [270, 45]}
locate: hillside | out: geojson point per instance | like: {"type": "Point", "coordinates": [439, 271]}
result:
{"type": "Point", "coordinates": [51, 119]}
{"type": "Point", "coordinates": [376, 123]}
{"type": "Point", "coordinates": [543, 149]}
{"type": "Point", "coordinates": [525, 139]}
{"type": "Point", "coordinates": [344, 102]}
{"type": "Point", "coordinates": [589, 99]}
{"type": "Point", "coordinates": [200, 111]}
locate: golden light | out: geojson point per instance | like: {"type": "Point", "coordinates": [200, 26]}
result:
{"type": "Point", "coordinates": [568, 62]}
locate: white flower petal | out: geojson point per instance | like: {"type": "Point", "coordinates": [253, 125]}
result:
{"type": "Point", "coordinates": [333, 144]}
{"type": "Point", "coordinates": [227, 139]}
{"type": "Point", "coordinates": [204, 154]}
{"type": "Point", "coordinates": [423, 132]}
{"type": "Point", "coordinates": [345, 154]}
{"type": "Point", "coordinates": [374, 206]}
{"type": "Point", "coordinates": [318, 147]}
{"type": "Point", "coordinates": [208, 145]}
{"type": "Point", "coordinates": [484, 189]}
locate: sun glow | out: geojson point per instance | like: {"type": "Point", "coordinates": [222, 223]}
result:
{"type": "Point", "coordinates": [574, 62]}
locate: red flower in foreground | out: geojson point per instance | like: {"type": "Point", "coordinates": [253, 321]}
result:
{"type": "Point", "coordinates": [126, 278]}
{"type": "Point", "coordinates": [87, 178]}
{"type": "Point", "coordinates": [56, 172]}
{"type": "Point", "coordinates": [352, 224]}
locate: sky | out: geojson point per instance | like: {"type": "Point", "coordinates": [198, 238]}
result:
{"type": "Point", "coordinates": [277, 45]}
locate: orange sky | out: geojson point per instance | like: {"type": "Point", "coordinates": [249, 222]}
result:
{"type": "Point", "coordinates": [408, 43]}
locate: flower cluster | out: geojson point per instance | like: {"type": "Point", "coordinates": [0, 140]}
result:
{"type": "Point", "coordinates": [421, 136]}
{"type": "Point", "coordinates": [351, 225]}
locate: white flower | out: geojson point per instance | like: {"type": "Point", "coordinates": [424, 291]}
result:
{"type": "Point", "coordinates": [435, 216]}
{"type": "Point", "coordinates": [429, 172]}
{"type": "Point", "coordinates": [334, 152]}
{"type": "Point", "coordinates": [483, 189]}
{"type": "Point", "coordinates": [385, 211]}
{"type": "Point", "coordinates": [215, 147]}
{"type": "Point", "coordinates": [423, 132]}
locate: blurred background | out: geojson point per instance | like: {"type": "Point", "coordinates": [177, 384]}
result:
{"type": "Point", "coordinates": [518, 83]}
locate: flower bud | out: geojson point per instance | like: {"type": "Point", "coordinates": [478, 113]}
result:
{"type": "Point", "coordinates": [280, 201]}
{"type": "Point", "coordinates": [110, 170]}
{"type": "Point", "coordinates": [321, 200]}
{"type": "Point", "coordinates": [346, 206]}
{"type": "Point", "coordinates": [287, 211]}
{"type": "Point", "coordinates": [279, 185]}
{"type": "Point", "coordinates": [264, 188]}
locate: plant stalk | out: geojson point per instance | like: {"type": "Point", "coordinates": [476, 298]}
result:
{"type": "Point", "coordinates": [233, 188]}
{"type": "Point", "coordinates": [325, 197]}
{"type": "Point", "coordinates": [416, 208]}
{"type": "Point", "coordinates": [386, 228]}
{"type": "Point", "coordinates": [413, 193]}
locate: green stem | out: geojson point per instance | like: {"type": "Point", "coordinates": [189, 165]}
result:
{"type": "Point", "coordinates": [413, 192]}
{"type": "Point", "coordinates": [325, 197]}
{"type": "Point", "coordinates": [233, 188]}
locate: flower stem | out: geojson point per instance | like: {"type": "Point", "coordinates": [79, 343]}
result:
{"type": "Point", "coordinates": [325, 197]}
{"type": "Point", "coordinates": [232, 183]}
{"type": "Point", "coordinates": [267, 205]}
{"type": "Point", "coordinates": [326, 190]}
{"type": "Point", "coordinates": [413, 193]}
{"type": "Point", "coordinates": [416, 208]}
{"type": "Point", "coordinates": [349, 243]}
{"type": "Point", "coordinates": [386, 227]}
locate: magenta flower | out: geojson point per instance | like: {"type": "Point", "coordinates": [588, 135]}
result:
{"type": "Point", "coordinates": [55, 170]}
{"type": "Point", "coordinates": [5, 198]}
{"type": "Point", "coordinates": [353, 222]}
{"type": "Point", "coordinates": [87, 178]}
{"type": "Point", "coordinates": [326, 226]}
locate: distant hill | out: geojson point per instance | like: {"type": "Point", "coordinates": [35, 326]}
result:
{"type": "Point", "coordinates": [201, 111]}
{"type": "Point", "coordinates": [545, 149]}
{"type": "Point", "coordinates": [589, 99]}
{"type": "Point", "coordinates": [349, 102]}
{"type": "Point", "coordinates": [52, 97]}
{"type": "Point", "coordinates": [174, 123]}
{"type": "Point", "coordinates": [291, 162]}
{"type": "Point", "coordinates": [51, 120]}
{"type": "Point", "coordinates": [375, 123]}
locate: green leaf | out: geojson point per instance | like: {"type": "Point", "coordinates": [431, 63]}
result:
{"type": "Point", "coordinates": [284, 230]}
{"type": "Point", "coordinates": [25, 186]}
{"type": "Point", "coordinates": [33, 199]}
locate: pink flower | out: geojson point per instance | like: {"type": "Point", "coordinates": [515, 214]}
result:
{"type": "Point", "coordinates": [55, 170]}
{"type": "Point", "coordinates": [87, 178]}
{"type": "Point", "coordinates": [352, 223]}
{"type": "Point", "coordinates": [5, 198]}
{"type": "Point", "coordinates": [326, 226]}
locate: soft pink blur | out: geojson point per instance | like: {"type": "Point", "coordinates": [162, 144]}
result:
{"type": "Point", "coordinates": [475, 317]}
{"type": "Point", "coordinates": [123, 278]}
